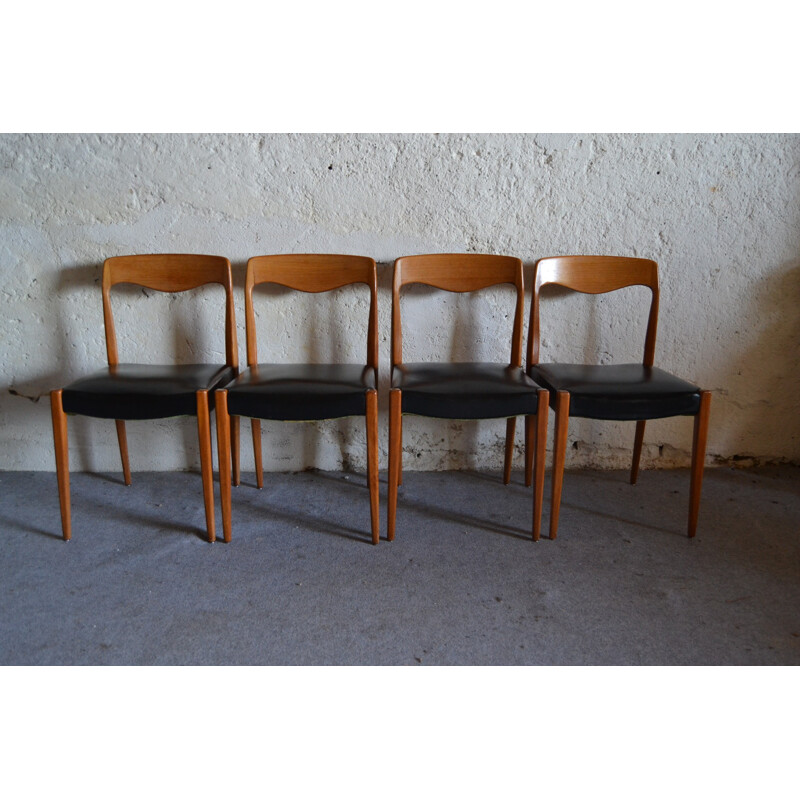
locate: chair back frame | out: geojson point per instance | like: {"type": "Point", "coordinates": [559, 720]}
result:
{"type": "Point", "coordinates": [595, 275]}
{"type": "Point", "coordinates": [312, 273]}
{"type": "Point", "coordinates": [458, 272]}
{"type": "Point", "coordinates": [170, 272]}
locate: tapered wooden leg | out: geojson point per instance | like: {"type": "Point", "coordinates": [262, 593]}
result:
{"type": "Point", "coordinates": [395, 457]}
{"type": "Point", "coordinates": [698, 459]}
{"type": "Point", "coordinates": [637, 449]}
{"type": "Point", "coordinates": [255, 427]}
{"type": "Point", "coordinates": [206, 465]}
{"type": "Point", "coordinates": [538, 436]}
{"type": "Point", "coordinates": [62, 461]}
{"type": "Point", "coordinates": [372, 463]}
{"type": "Point", "coordinates": [530, 434]}
{"type": "Point", "coordinates": [400, 457]}
{"type": "Point", "coordinates": [511, 427]}
{"type": "Point", "coordinates": [123, 451]}
{"type": "Point", "coordinates": [559, 456]}
{"type": "Point", "coordinates": [224, 429]}
{"type": "Point", "coordinates": [235, 448]}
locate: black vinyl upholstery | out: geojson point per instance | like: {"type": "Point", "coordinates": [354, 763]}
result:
{"type": "Point", "coordinates": [301, 391]}
{"type": "Point", "coordinates": [619, 391]}
{"type": "Point", "coordinates": [472, 390]}
{"type": "Point", "coordinates": [144, 391]}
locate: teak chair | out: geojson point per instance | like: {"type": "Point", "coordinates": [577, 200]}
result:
{"type": "Point", "coordinates": [148, 391]}
{"type": "Point", "coordinates": [613, 391]}
{"type": "Point", "coordinates": [474, 390]}
{"type": "Point", "coordinates": [304, 392]}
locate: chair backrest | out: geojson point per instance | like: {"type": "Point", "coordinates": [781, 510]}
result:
{"type": "Point", "coordinates": [169, 272]}
{"type": "Point", "coordinates": [312, 273]}
{"type": "Point", "coordinates": [458, 272]}
{"type": "Point", "coordinates": [595, 275]}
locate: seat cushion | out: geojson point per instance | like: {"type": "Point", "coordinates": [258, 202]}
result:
{"type": "Point", "coordinates": [475, 390]}
{"type": "Point", "coordinates": [301, 391]}
{"type": "Point", "coordinates": [144, 391]}
{"type": "Point", "coordinates": [619, 391]}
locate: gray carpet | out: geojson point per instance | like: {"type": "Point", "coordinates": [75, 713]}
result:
{"type": "Point", "coordinates": [461, 584]}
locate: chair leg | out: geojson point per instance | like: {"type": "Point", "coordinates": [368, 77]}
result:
{"type": "Point", "coordinates": [511, 427]}
{"type": "Point", "coordinates": [206, 466]}
{"type": "Point", "coordinates": [530, 433]}
{"type": "Point", "coordinates": [372, 463]}
{"type": "Point", "coordinates": [637, 449]}
{"type": "Point", "coordinates": [698, 459]}
{"type": "Point", "coordinates": [395, 457]}
{"type": "Point", "coordinates": [224, 429]}
{"type": "Point", "coordinates": [123, 450]}
{"type": "Point", "coordinates": [538, 435]}
{"type": "Point", "coordinates": [62, 461]}
{"type": "Point", "coordinates": [234, 427]}
{"type": "Point", "coordinates": [255, 427]}
{"type": "Point", "coordinates": [400, 461]}
{"type": "Point", "coordinates": [559, 456]}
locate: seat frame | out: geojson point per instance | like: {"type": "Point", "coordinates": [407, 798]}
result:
{"type": "Point", "coordinates": [164, 273]}
{"type": "Point", "coordinates": [465, 272]}
{"type": "Point", "coordinates": [311, 273]}
{"type": "Point", "coordinates": [600, 275]}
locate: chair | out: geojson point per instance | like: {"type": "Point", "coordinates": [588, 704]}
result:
{"type": "Point", "coordinates": [141, 391]}
{"type": "Point", "coordinates": [614, 391]}
{"type": "Point", "coordinates": [302, 392]}
{"type": "Point", "coordinates": [475, 390]}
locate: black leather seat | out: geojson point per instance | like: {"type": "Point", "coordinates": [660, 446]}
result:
{"type": "Point", "coordinates": [302, 391]}
{"type": "Point", "coordinates": [472, 390]}
{"type": "Point", "coordinates": [144, 391]}
{"type": "Point", "coordinates": [619, 391]}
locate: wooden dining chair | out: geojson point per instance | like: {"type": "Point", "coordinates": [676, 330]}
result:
{"type": "Point", "coordinates": [125, 391]}
{"type": "Point", "coordinates": [473, 390]}
{"type": "Point", "coordinates": [303, 392]}
{"type": "Point", "coordinates": [613, 391]}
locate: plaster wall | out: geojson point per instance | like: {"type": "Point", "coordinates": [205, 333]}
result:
{"type": "Point", "coordinates": [720, 213]}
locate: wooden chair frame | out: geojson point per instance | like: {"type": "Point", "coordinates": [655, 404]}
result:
{"type": "Point", "coordinates": [600, 275]}
{"type": "Point", "coordinates": [164, 273]}
{"type": "Point", "coordinates": [312, 273]}
{"type": "Point", "coordinates": [460, 273]}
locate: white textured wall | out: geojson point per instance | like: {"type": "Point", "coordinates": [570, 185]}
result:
{"type": "Point", "coordinates": [720, 213]}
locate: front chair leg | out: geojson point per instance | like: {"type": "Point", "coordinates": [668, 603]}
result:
{"type": "Point", "coordinates": [206, 466]}
{"type": "Point", "coordinates": [372, 463]}
{"type": "Point", "coordinates": [223, 451]}
{"type": "Point", "coordinates": [511, 426]}
{"type": "Point", "coordinates": [62, 461]}
{"type": "Point", "coordinates": [395, 455]}
{"type": "Point", "coordinates": [539, 443]}
{"type": "Point", "coordinates": [637, 449]}
{"type": "Point", "coordinates": [530, 438]}
{"type": "Point", "coordinates": [559, 456]}
{"type": "Point", "coordinates": [123, 450]}
{"type": "Point", "coordinates": [698, 459]}
{"type": "Point", "coordinates": [235, 449]}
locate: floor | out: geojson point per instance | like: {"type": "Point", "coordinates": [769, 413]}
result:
{"type": "Point", "coordinates": [461, 584]}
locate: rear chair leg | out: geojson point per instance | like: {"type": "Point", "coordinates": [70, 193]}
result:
{"type": "Point", "coordinates": [637, 449]}
{"type": "Point", "coordinates": [223, 450]}
{"type": "Point", "coordinates": [206, 465]}
{"type": "Point", "coordinates": [698, 459]}
{"type": "Point", "coordinates": [539, 443]}
{"type": "Point", "coordinates": [511, 426]}
{"type": "Point", "coordinates": [530, 433]}
{"type": "Point", "coordinates": [559, 456]}
{"type": "Point", "coordinates": [235, 449]}
{"type": "Point", "coordinates": [62, 461]}
{"type": "Point", "coordinates": [123, 450]}
{"type": "Point", "coordinates": [372, 463]}
{"type": "Point", "coordinates": [255, 427]}
{"type": "Point", "coordinates": [395, 456]}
